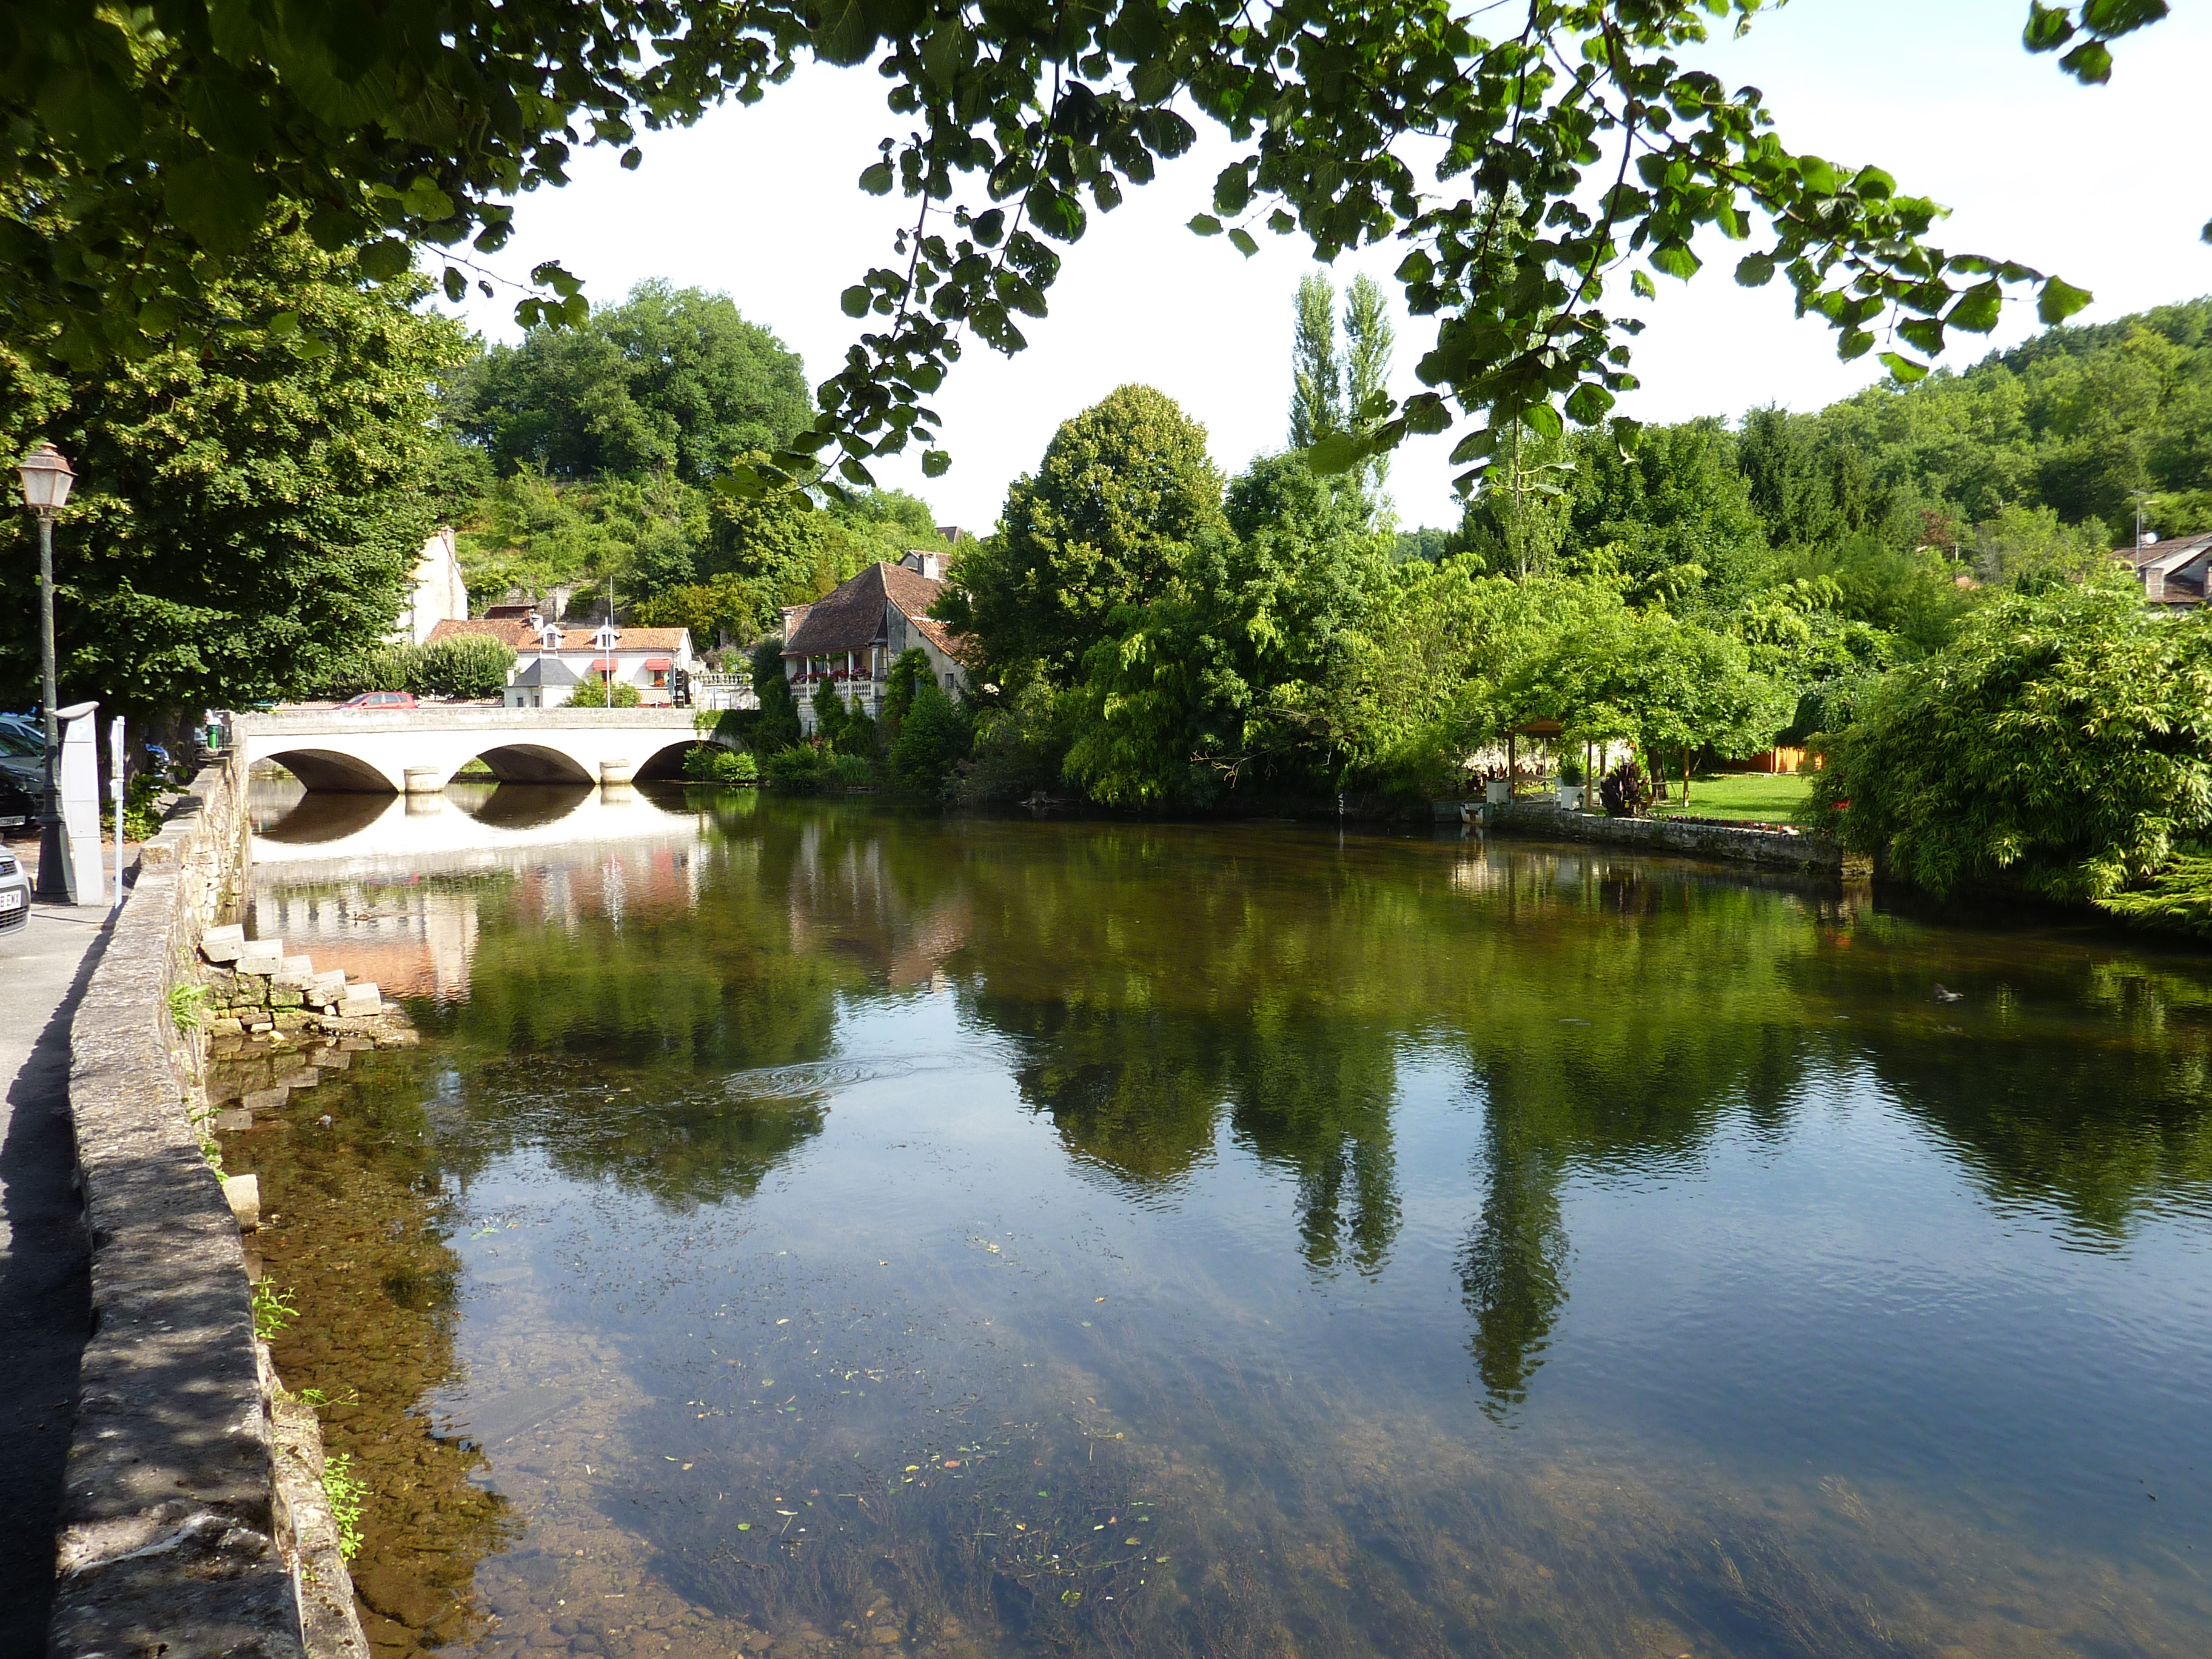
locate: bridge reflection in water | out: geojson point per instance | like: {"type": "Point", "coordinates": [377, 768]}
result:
{"type": "Point", "coordinates": [388, 887]}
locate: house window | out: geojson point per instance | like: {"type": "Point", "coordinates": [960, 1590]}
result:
{"type": "Point", "coordinates": [951, 682]}
{"type": "Point", "coordinates": [661, 676]}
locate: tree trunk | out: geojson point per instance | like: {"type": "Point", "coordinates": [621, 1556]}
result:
{"type": "Point", "coordinates": [1686, 777]}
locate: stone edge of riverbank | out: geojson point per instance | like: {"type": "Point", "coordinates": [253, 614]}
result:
{"type": "Point", "coordinates": [1772, 848]}
{"type": "Point", "coordinates": [189, 1525]}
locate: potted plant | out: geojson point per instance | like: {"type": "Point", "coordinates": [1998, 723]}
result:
{"type": "Point", "coordinates": [1572, 781]}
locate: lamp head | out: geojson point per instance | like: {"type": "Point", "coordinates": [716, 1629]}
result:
{"type": "Point", "coordinates": [46, 479]}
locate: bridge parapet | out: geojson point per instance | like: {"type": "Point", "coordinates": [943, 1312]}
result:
{"type": "Point", "coordinates": [307, 722]}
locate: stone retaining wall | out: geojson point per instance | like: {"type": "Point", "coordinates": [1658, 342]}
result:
{"type": "Point", "coordinates": [189, 1526]}
{"type": "Point", "coordinates": [1773, 849]}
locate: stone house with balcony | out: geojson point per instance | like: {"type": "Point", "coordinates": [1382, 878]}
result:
{"type": "Point", "coordinates": [852, 637]}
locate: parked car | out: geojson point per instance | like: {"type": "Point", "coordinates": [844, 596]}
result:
{"type": "Point", "coordinates": [14, 892]}
{"type": "Point", "coordinates": [379, 700]}
{"type": "Point", "coordinates": [23, 772]}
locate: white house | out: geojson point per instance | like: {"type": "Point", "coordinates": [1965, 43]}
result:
{"type": "Point", "coordinates": [436, 594]}
{"type": "Point", "coordinates": [552, 661]}
{"type": "Point", "coordinates": [852, 637]}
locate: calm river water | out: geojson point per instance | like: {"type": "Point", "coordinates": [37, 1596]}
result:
{"type": "Point", "coordinates": [827, 1228]}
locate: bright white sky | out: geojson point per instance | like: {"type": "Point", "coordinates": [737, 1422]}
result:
{"type": "Point", "coordinates": [2104, 187]}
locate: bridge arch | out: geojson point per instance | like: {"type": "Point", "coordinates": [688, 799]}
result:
{"type": "Point", "coordinates": [666, 761]}
{"type": "Point", "coordinates": [533, 763]}
{"type": "Point", "coordinates": [335, 772]}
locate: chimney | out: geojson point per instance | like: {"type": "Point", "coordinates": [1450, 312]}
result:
{"type": "Point", "coordinates": [927, 563]}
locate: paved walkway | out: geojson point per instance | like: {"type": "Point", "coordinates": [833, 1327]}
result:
{"type": "Point", "coordinates": [45, 1298]}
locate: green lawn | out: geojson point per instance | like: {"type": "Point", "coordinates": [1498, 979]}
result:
{"type": "Point", "coordinates": [1766, 797]}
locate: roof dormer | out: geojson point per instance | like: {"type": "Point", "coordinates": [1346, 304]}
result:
{"type": "Point", "coordinates": [603, 638]}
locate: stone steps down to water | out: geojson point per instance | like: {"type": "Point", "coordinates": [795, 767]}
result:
{"type": "Point", "coordinates": [255, 987]}
{"type": "Point", "coordinates": [274, 1025]}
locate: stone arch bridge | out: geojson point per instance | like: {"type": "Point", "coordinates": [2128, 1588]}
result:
{"type": "Point", "coordinates": [417, 750]}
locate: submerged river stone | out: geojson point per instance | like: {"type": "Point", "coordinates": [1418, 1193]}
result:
{"type": "Point", "coordinates": [494, 1421]}
{"type": "Point", "coordinates": [397, 1596]}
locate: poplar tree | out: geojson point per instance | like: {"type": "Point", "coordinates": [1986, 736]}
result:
{"type": "Point", "coordinates": [1369, 339]}
{"type": "Point", "coordinates": [1316, 379]}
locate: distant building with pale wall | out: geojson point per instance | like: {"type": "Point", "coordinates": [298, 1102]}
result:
{"type": "Point", "coordinates": [437, 593]}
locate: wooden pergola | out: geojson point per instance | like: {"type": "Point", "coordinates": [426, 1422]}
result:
{"type": "Point", "coordinates": [1540, 728]}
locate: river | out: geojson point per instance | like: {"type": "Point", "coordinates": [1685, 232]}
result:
{"type": "Point", "coordinates": [826, 1227]}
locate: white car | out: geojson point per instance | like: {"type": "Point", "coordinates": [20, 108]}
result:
{"type": "Point", "coordinates": [15, 893]}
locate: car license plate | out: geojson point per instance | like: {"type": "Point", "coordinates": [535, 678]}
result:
{"type": "Point", "coordinates": [12, 900]}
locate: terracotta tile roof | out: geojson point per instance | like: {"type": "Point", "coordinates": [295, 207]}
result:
{"type": "Point", "coordinates": [909, 590]}
{"type": "Point", "coordinates": [939, 634]}
{"type": "Point", "coordinates": [627, 640]}
{"type": "Point", "coordinates": [516, 633]}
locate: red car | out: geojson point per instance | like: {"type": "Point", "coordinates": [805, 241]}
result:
{"type": "Point", "coordinates": [379, 700]}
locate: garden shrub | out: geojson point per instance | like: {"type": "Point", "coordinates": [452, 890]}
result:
{"type": "Point", "coordinates": [595, 694]}
{"type": "Point", "coordinates": [2061, 742]}
{"type": "Point", "coordinates": [858, 736]}
{"type": "Point", "coordinates": [1625, 792]}
{"type": "Point", "coordinates": [710, 763]}
{"type": "Point", "coordinates": [465, 665]}
{"type": "Point", "coordinates": [932, 738]}
{"type": "Point", "coordinates": [800, 769]}
{"type": "Point", "coordinates": [777, 726]}
{"type": "Point", "coordinates": [828, 713]}
{"type": "Point", "coordinates": [473, 666]}
{"type": "Point", "coordinates": [910, 671]}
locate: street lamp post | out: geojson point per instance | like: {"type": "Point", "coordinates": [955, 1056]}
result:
{"type": "Point", "coordinates": [47, 480]}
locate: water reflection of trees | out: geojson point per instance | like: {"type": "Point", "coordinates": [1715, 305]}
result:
{"type": "Point", "coordinates": [1163, 988]}
{"type": "Point", "coordinates": [1161, 984]}
{"type": "Point", "coordinates": [2072, 1077]}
